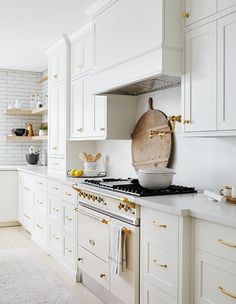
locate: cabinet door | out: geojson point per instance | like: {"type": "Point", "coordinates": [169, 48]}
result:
{"type": "Point", "coordinates": [100, 116]}
{"type": "Point", "coordinates": [88, 53]}
{"type": "Point", "coordinates": [200, 78]}
{"type": "Point", "coordinates": [77, 58]}
{"type": "Point", "coordinates": [199, 9]}
{"type": "Point", "coordinates": [57, 67]}
{"type": "Point", "coordinates": [57, 120]}
{"type": "Point", "coordinates": [223, 4]}
{"type": "Point", "coordinates": [77, 108]}
{"type": "Point", "coordinates": [226, 73]}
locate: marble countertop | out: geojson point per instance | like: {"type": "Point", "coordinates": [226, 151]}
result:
{"type": "Point", "coordinates": [196, 205]}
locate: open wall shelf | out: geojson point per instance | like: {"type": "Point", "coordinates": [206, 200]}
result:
{"type": "Point", "coordinates": [40, 111]}
{"type": "Point", "coordinates": [25, 138]}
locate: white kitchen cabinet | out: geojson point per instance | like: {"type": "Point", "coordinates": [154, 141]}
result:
{"type": "Point", "coordinates": [57, 63]}
{"type": "Point", "coordinates": [226, 98]}
{"type": "Point", "coordinates": [223, 4]}
{"type": "Point", "coordinates": [81, 52]}
{"type": "Point", "coordinates": [196, 10]}
{"type": "Point", "coordinates": [99, 117]}
{"type": "Point", "coordinates": [20, 197]}
{"type": "Point", "coordinates": [124, 52]}
{"type": "Point", "coordinates": [57, 121]}
{"type": "Point", "coordinates": [200, 79]}
{"type": "Point", "coordinates": [8, 197]}
{"type": "Point", "coordinates": [152, 295]}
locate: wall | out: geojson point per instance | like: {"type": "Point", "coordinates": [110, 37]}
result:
{"type": "Point", "coordinates": [17, 85]}
{"type": "Point", "coordinates": [202, 162]}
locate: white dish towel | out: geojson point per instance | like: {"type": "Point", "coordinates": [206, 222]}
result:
{"type": "Point", "coordinates": [117, 249]}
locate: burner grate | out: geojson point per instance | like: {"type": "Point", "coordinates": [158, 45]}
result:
{"type": "Point", "coordinates": [132, 187]}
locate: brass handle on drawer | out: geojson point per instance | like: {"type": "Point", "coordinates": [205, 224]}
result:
{"type": "Point", "coordinates": [57, 210]}
{"type": "Point", "coordinates": [28, 189]}
{"type": "Point", "coordinates": [226, 243]}
{"type": "Point", "coordinates": [39, 226]}
{"type": "Point", "coordinates": [55, 237]}
{"type": "Point", "coordinates": [158, 264]}
{"type": "Point", "coordinates": [69, 250]}
{"type": "Point", "coordinates": [55, 188]}
{"type": "Point", "coordinates": [54, 148]}
{"type": "Point", "coordinates": [185, 15]}
{"type": "Point", "coordinates": [79, 130]}
{"type": "Point", "coordinates": [68, 218]}
{"type": "Point", "coordinates": [102, 129]}
{"type": "Point", "coordinates": [55, 76]}
{"type": "Point", "coordinates": [221, 289]}
{"type": "Point", "coordinates": [103, 221]}
{"type": "Point", "coordinates": [39, 183]}
{"type": "Point", "coordinates": [28, 217]}
{"type": "Point", "coordinates": [80, 259]}
{"type": "Point", "coordinates": [41, 203]}
{"type": "Point", "coordinates": [68, 194]}
{"type": "Point", "coordinates": [102, 275]}
{"type": "Point", "coordinates": [159, 225]}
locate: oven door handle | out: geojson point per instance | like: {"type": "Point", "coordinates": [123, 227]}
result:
{"type": "Point", "coordinates": [101, 220]}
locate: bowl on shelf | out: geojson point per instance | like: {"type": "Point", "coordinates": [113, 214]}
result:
{"type": "Point", "coordinates": [19, 132]}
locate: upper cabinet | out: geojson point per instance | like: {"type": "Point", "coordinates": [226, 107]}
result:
{"type": "Point", "coordinates": [209, 96]}
{"type": "Point", "coordinates": [200, 78]}
{"type": "Point", "coordinates": [197, 10]}
{"type": "Point", "coordinates": [82, 54]}
{"type": "Point", "coordinates": [57, 63]}
{"type": "Point", "coordinates": [133, 46]}
{"type": "Point", "coordinates": [226, 100]}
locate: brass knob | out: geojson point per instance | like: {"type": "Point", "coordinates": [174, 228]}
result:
{"type": "Point", "coordinates": [54, 148]}
{"type": "Point", "coordinates": [185, 15]}
{"type": "Point", "coordinates": [55, 76]}
{"type": "Point", "coordinates": [79, 130]}
{"type": "Point", "coordinates": [80, 259]}
{"type": "Point", "coordinates": [102, 129]}
{"type": "Point", "coordinates": [186, 121]}
{"type": "Point", "coordinates": [102, 275]}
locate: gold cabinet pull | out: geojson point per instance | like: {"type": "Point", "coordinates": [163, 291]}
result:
{"type": "Point", "coordinates": [102, 275]}
{"type": "Point", "coordinates": [102, 129]}
{"type": "Point", "coordinates": [55, 188]}
{"type": "Point", "coordinates": [28, 189]}
{"type": "Point", "coordinates": [158, 264]}
{"type": "Point", "coordinates": [54, 148]}
{"type": "Point", "coordinates": [80, 259]}
{"type": "Point", "coordinates": [40, 227]}
{"type": "Point", "coordinates": [68, 194]}
{"type": "Point", "coordinates": [68, 218]}
{"type": "Point", "coordinates": [28, 217]}
{"type": "Point", "coordinates": [41, 203]}
{"type": "Point", "coordinates": [55, 237]}
{"type": "Point", "coordinates": [226, 243]}
{"type": "Point", "coordinates": [69, 250]}
{"type": "Point", "coordinates": [186, 121]}
{"type": "Point", "coordinates": [103, 221]}
{"type": "Point", "coordinates": [159, 225]}
{"type": "Point", "coordinates": [55, 76]}
{"type": "Point", "coordinates": [221, 289]}
{"type": "Point", "coordinates": [39, 183]}
{"type": "Point", "coordinates": [56, 210]}
{"type": "Point", "coordinates": [185, 15]}
{"type": "Point", "coordinates": [79, 130]}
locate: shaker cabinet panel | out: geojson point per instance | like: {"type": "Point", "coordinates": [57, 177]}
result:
{"type": "Point", "coordinates": [199, 9]}
{"type": "Point", "coordinates": [200, 79]}
{"type": "Point", "coordinates": [100, 115]}
{"type": "Point", "coordinates": [223, 4]}
{"type": "Point", "coordinates": [57, 120]}
{"type": "Point", "coordinates": [57, 67]}
{"type": "Point", "coordinates": [226, 72]}
{"type": "Point", "coordinates": [77, 105]}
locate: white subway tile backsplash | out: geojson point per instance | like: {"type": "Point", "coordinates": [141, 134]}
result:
{"type": "Point", "coordinates": [19, 85]}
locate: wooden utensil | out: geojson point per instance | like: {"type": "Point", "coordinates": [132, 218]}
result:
{"type": "Point", "coordinates": [151, 152]}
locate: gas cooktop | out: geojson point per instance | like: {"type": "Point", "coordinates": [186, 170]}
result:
{"type": "Point", "coordinates": [132, 187]}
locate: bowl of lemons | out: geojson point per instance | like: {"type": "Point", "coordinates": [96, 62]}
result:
{"type": "Point", "coordinates": [75, 173]}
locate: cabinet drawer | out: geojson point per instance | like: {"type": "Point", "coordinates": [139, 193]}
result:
{"type": "Point", "coordinates": [41, 202]}
{"type": "Point", "coordinates": [28, 218]}
{"type": "Point", "coordinates": [69, 218]}
{"type": "Point", "coordinates": [26, 180]}
{"type": "Point", "coordinates": [214, 279]}
{"type": "Point", "coordinates": [28, 195]}
{"type": "Point", "coordinates": [39, 183]}
{"type": "Point", "coordinates": [94, 267]}
{"type": "Point", "coordinates": [54, 188]}
{"type": "Point", "coordinates": [69, 194]}
{"type": "Point", "coordinates": [160, 263]}
{"type": "Point", "coordinates": [217, 239]}
{"type": "Point", "coordinates": [55, 238]}
{"type": "Point", "coordinates": [160, 224]}
{"type": "Point", "coordinates": [55, 209]}
{"type": "Point", "coordinates": [69, 249]}
{"type": "Point", "coordinates": [92, 233]}
{"type": "Point", "coordinates": [57, 163]}
{"type": "Point", "coordinates": [153, 295]}
{"type": "Point", "coordinates": [40, 229]}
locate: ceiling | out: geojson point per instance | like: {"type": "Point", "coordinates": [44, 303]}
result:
{"type": "Point", "coordinates": [28, 27]}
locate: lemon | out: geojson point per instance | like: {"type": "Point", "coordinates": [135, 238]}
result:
{"type": "Point", "coordinates": [78, 173]}
{"type": "Point", "coordinates": [73, 172]}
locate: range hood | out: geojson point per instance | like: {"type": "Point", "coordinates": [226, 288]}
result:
{"type": "Point", "coordinates": [148, 85]}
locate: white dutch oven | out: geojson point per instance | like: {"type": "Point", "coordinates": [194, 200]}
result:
{"type": "Point", "coordinates": [155, 178]}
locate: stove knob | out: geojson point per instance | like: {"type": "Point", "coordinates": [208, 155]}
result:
{"type": "Point", "coordinates": [93, 198]}
{"type": "Point", "coordinates": [100, 199]}
{"type": "Point", "coordinates": [121, 206]}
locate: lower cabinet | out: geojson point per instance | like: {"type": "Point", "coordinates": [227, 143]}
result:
{"type": "Point", "coordinates": [55, 239]}
{"type": "Point", "coordinates": [152, 295]}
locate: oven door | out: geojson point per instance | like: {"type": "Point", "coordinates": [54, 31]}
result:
{"type": "Point", "coordinates": [93, 236]}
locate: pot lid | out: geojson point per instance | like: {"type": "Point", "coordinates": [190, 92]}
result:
{"type": "Point", "coordinates": [157, 171]}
